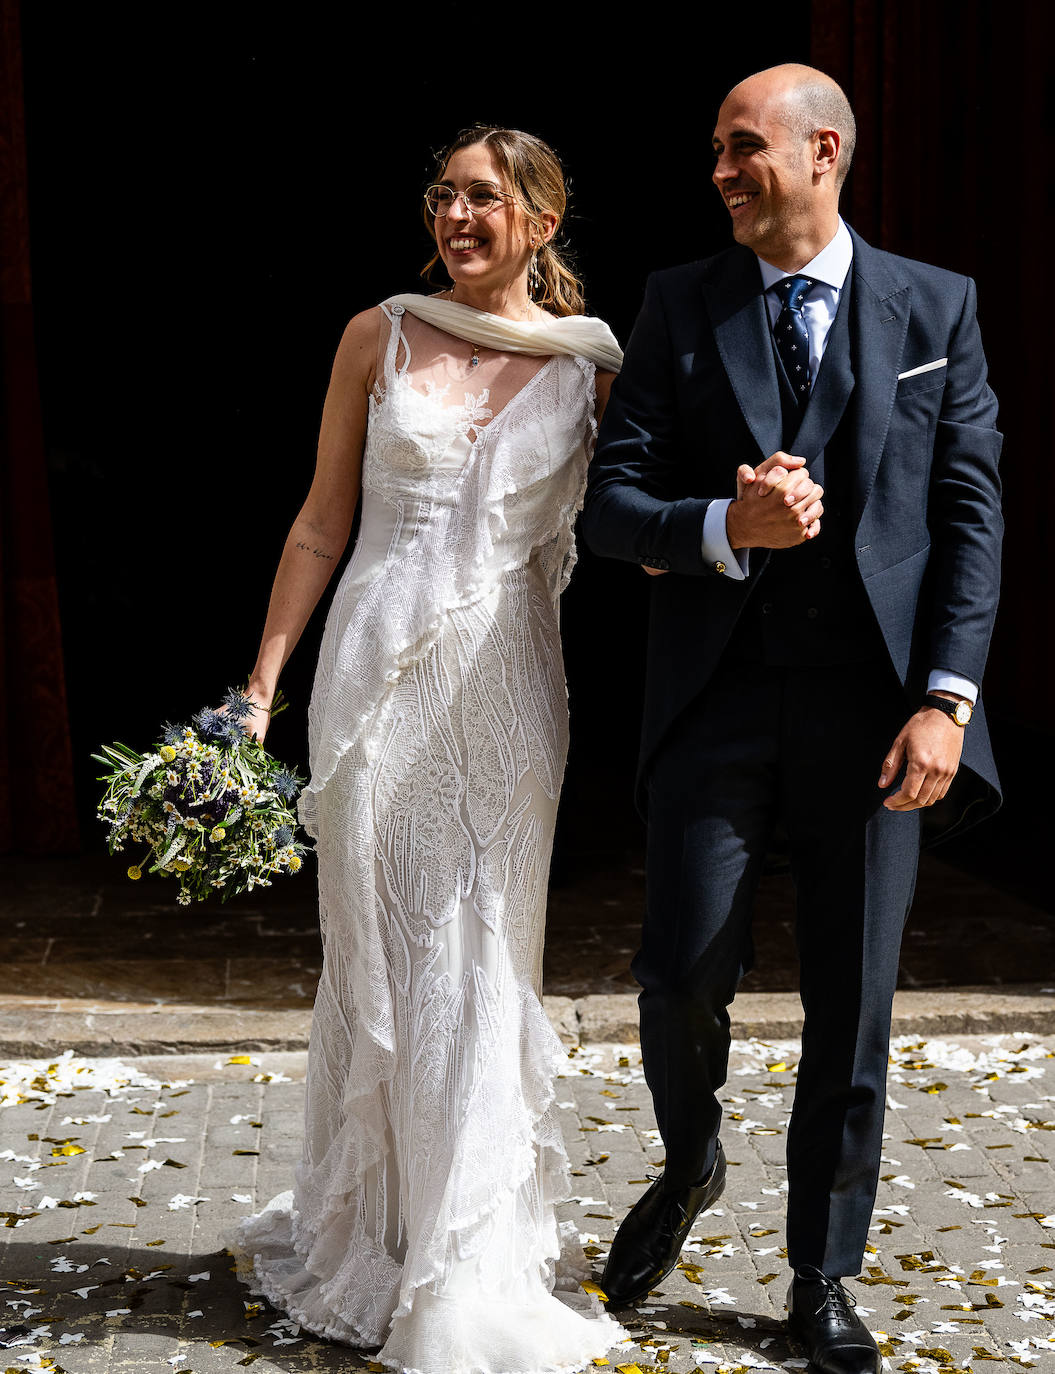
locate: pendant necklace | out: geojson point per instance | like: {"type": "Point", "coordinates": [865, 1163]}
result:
{"type": "Point", "coordinates": [474, 361]}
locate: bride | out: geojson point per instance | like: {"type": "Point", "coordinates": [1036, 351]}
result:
{"type": "Point", "coordinates": [422, 1218]}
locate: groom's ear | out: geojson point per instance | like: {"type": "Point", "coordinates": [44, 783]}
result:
{"type": "Point", "coordinates": [825, 144]}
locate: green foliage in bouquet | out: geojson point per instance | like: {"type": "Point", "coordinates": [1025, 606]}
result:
{"type": "Point", "coordinates": [214, 809]}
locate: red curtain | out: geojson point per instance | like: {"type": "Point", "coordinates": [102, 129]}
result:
{"type": "Point", "coordinates": [954, 166]}
{"type": "Point", "coordinates": [37, 811]}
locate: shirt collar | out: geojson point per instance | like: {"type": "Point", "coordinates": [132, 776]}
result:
{"type": "Point", "coordinates": [830, 266]}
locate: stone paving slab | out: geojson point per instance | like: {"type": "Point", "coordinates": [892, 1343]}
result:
{"type": "Point", "coordinates": [89, 1026]}
{"type": "Point", "coordinates": [120, 1184]}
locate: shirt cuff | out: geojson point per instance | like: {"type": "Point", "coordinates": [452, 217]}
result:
{"type": "Point", "coordinates": [941, 680]}
{"type": "Point", "coordinates": [716, 549]}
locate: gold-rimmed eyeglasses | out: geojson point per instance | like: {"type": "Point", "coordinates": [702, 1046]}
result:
{"type": "Point", "coordinates": [479, 197]}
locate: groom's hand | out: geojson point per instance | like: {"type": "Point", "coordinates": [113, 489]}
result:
{"type": "Point", "coordinates": [756, 520]}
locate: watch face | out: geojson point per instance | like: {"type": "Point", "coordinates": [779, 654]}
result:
{"type": "Point", "coordinates": [963, 712]}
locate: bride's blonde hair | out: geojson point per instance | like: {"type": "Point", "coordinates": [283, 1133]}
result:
{"type": "Point", "coordinates": [536, 178]}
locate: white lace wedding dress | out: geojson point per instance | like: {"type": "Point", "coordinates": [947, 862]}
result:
{"type": "Point", "coordinates": [422, 1220]}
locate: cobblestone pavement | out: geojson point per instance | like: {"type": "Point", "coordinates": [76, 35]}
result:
{"type": "Point", "coordinates": [119, 1185]}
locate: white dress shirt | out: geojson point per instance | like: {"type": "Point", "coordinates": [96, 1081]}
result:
{"type": "Point", "coordinates": [829, 270]}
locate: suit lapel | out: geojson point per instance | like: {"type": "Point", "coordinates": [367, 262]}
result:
{"type": "Point", "coordinates": [737, 312]}
{"type": "Point", "coordinates": [879, 313]}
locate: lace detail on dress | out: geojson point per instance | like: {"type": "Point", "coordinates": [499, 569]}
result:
{"type": "Point", "coordinates": [422, 1218]}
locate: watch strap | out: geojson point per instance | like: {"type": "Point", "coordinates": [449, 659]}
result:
{"type": "Point", "coordinates": [949, 707]}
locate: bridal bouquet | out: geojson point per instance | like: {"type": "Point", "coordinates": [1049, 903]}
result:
{"type": "Point", "coordinates": [214, 809]}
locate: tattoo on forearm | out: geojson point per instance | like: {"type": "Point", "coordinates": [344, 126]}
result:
{"type": "Point", "coordinates": [319, 553]}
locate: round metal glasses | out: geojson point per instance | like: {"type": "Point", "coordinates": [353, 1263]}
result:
{"type": "Point", "coordinates": [479, 198]}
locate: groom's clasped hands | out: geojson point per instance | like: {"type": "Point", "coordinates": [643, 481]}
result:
{"type": "Point", "coordinates": [757, 521]}
{"type": "Point", "coordinates": [753, 521]}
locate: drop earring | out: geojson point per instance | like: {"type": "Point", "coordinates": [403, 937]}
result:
{"type": "Point", "coordinates": [534, 277]}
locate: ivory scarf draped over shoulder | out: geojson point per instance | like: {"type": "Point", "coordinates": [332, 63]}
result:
{"type": "Point", "coordinates": [579, 336]}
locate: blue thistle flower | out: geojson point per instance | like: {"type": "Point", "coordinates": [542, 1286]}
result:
{"type": "Point", "coordinates": [285, 784]}
{"type": "Point", "coordinates": [211, 725]}
{"type": "Point", "coordinates": [233, 734]}
{"type": "Point", "coordinates": [282, 836]}
{"type": "Point", "coordinates": [219, 727]}
{"type": "Point", "coordinates": [171, 734]}
{"type": "Point", "coordinates": [239, 706]}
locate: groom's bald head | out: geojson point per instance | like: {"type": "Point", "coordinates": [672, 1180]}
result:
{"type": "Point", "coordinates": [805, 100]}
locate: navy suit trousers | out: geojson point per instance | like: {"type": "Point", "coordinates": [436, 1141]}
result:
{"type": "Point", "coordinates": [802, 748]}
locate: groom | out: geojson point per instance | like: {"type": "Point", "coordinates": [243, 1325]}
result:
{"type": "Point", "coordinates": [815, 651]}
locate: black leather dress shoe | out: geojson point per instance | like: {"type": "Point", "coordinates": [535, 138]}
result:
{"type": "Point", "coordinates": [648, 1243]}
{"type": "Point", "coordinates": [821, 1315]}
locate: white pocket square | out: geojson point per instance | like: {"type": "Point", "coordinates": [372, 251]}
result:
{"type": "Point", "coordinates": [927, 367]}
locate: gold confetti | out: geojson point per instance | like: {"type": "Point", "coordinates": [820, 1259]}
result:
{"type": "Point", "coordinates": [759, 1234]}
{"type": "Point", "coordinates": [766, 1278]}
{"type": "Point", "coordinates": [240, 1059]}
{"type": "Point", "coordinates": [594, 1291]}
{"type": "Point", "coordinates": [68, 1150]}
{"type": "Point", "coordinates": [138, 1201]}
{"type": "Point", "coordinates": [154, 1242]}
{"type": "Point", "coordinates": [933, 1088]}
{"type": "Point", "coordinates": [937, 1352]}
{"type": "Point", "coordinates": [628, 1368]}
{"type": "Point", "coordinates": [600, 1361]}
{"type": "Point", "coordinates": [234, 1152]}
{"type": "Point", "coordinates": [778, 1067]}
{"type": "Point", "coordinates": [174, 1164]}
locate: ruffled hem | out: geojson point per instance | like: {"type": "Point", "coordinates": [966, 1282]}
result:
{"type": "Point", "coordinates": [571, 1323]}
{"type": "Point", "coordinates": [313, 1259]}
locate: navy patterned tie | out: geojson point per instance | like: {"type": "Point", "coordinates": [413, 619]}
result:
{"type": "Point", "coordinates": [791, 335]}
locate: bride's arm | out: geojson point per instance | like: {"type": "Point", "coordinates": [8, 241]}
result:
{"type": "Point", "coordinates": [602, 385]}
{"type": "Point", "coordinates": [320, 532]}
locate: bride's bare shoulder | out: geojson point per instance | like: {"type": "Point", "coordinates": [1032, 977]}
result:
{"type": "Point", "coordinates": [363, 330]}
{"type": "Point", "coordinates": [357, 352]}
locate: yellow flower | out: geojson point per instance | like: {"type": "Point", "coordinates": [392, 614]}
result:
{"type": "Point", "coordinates": [135, 872]}
{"type": "Point", "coordinates": [218, 833]}
{"type": "Point", "coordinates": [181, 865]}
{"type": "Point", "coordinates": [167, 753]}
{"type": "Point", "coordinates": [294, 862]}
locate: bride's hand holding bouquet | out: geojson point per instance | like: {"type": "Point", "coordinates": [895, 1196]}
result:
{"type": "Point", "coordinates": [211, 805]}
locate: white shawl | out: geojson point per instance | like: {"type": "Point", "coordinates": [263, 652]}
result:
{"type": "Point", "coordinates": [580, 336]}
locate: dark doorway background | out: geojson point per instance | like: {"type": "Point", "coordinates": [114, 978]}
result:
{"type": "Point", "coordinates": [208, 208]}
{"type": "Point", "coordinates": [211, 199]}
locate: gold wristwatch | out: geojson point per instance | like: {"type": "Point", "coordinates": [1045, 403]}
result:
{"type": "Point", "coordinates": [961, 711]}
